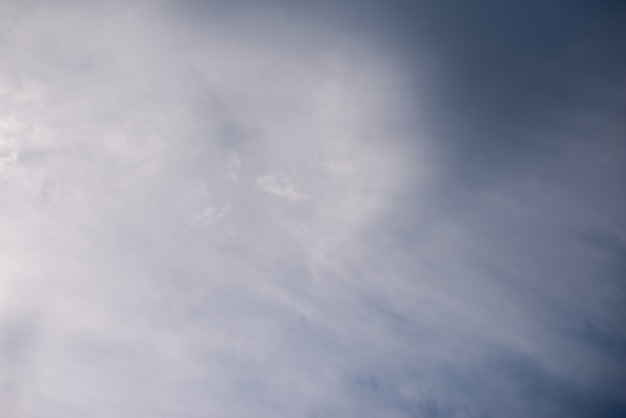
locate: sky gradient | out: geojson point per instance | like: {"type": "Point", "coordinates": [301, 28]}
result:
{"type": "Point", "coordinates": [312, 209]}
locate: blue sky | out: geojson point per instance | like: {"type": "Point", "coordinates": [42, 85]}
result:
{"type": "Point", "coordinates": [312, 209]}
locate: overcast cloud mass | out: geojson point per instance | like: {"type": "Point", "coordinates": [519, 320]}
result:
{"type": "Point", "coordinates": [312, 209]}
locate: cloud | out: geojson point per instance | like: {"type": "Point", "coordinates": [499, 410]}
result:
{"type": "Point", "coordinates": [213, 209]}
{"type": "Point", "coordinates": [136, 188]}
{"type": "Point", "coordinates": [278, 183]}
{"type": "Point", "coordinates": [233, 164]}
{"type": "Point", "coordinates": [8, 160]}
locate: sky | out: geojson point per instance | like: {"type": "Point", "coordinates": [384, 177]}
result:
{"type": "Point", "coordinates": [312, 208]}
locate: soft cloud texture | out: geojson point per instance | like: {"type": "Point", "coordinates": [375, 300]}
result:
{"type": "Point", "coordinates": [236, 210]}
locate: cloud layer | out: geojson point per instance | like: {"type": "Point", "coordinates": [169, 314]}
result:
{"type": "Point", "coordinates": [214, 210]}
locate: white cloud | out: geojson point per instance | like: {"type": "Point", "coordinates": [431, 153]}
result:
{"type": "Point", "coordinates": [143, 141]}
{"type": "Point", "coordinates": [233, 165]}
{"type": "Point", "coordinates": [6, 161]}
{"type": "Point", "coordinates": [209, 215]}
{"type": "Point", "coordinates": [278, 183]}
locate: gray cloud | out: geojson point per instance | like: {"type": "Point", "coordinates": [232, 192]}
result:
{"type": "Point", "coordinates": [217, 209]}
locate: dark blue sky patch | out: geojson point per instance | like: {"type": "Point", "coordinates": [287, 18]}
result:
{"type": "Point", "coordinates": [505, 384]}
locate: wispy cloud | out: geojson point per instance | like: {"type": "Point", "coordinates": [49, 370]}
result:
{"type": "Point", "coordinates": [278, 183]}
{"type": "Point", "coordinates": [209, 211]}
